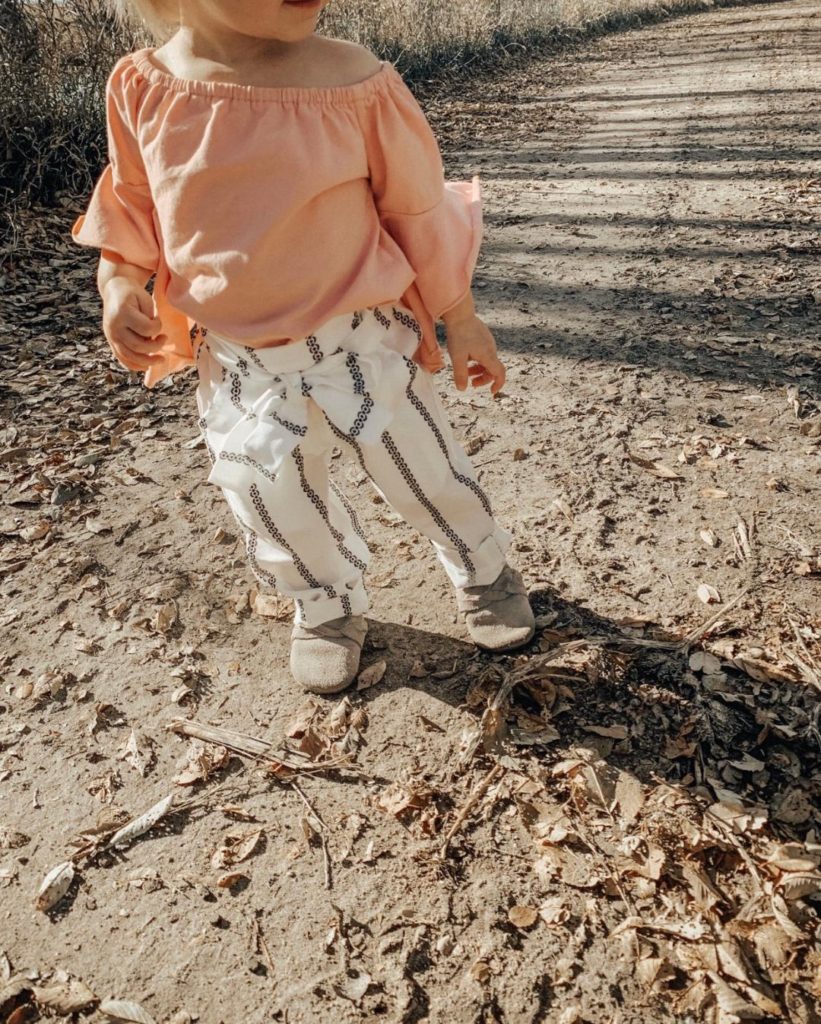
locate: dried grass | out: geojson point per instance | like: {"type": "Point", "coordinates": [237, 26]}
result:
{"type": "Point", "coordinates": [55, 56]}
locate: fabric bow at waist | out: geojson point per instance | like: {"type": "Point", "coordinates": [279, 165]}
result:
{"type": "Point", "coordinates": [261, 408]}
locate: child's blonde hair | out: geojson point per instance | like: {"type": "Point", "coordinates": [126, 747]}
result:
{"type": "Point", "coordinates": [159, 17]}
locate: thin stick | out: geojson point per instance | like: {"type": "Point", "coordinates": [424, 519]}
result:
{"type": "Point", "coordinates": [811, 666]}
{"type": "Point", "coordinates": [496, 770]}
{"type": "Point", "coordinates": [256, 749]}
{"type": "Point", "coordinates": [307, 802]}
{"type": "Point", "coordinates": [326, 857]}
{"type": "Point", "coordinates": [262, 944]}
{"type": "Point", "coordinates": [597, 853]}
{"type": "Point", "coordinates": [700, 630]}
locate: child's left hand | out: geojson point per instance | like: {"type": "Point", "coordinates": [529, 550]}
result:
{"type": "Point", "coordinates": [473, 355]}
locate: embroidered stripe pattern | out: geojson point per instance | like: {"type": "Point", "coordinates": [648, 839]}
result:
{"type": "Point", "coordinates": [420, 407]}
{"type": "Point", "coordinates": [357, 527]}
{"type": "Point", "coordinates": [251, 550]}
{"type": "Point", "coordinates": [407, 321]}
{"type": "Point", "coordinates": [295, 428]}
{"type": "Point", "coordinates": [302, 568]}
{"type": "Point", "coordinates": [322, 509]}
{"type": "Point", "coordinates": [246, 460]}
{"type": "Point", "coordinates": [236, 395]}
{"type": "Point", "coordinates": [420, 495]}
{"type": "Point", "coordinates": [313, 348]}
{"type": "Point", "coordinates": [359, 389]}
{"type": "Point", "coordinates": [203, 423]}
{"type": "Point", "coordinates": [271, 527]}
{"type": "Point", "coordinates": [349, 441]}
{"type": "Point", "coordinates": [380, 317]}
{"type": "Point", "coordinates": [255, 358]}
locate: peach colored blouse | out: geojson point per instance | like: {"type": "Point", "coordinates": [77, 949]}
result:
{"type": "Point", "coordinates": [264, 211]}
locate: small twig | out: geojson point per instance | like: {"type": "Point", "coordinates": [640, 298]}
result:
{"type": "Point", "coordinates": [326, 857]}
{"type": "Point", "coordinates": [296, 787]}
{"type": "Point", "coordinates": [728, 835]}
{"type": "Point", "coordinates": [261, 944]}
{"type": "Point", "coordinates": [704, 627]}
{"type": "Point", "coordinates": [596, 851]}
{"type": "Point", "coordinates": [814, 673]}
{"type": "Point", "coordinates": [495, 771]}
{"type": "Point", "coordinates": [258, 750]}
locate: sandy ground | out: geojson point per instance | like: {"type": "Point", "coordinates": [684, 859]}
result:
{"type": "Point", "coordinates": [650, 273]}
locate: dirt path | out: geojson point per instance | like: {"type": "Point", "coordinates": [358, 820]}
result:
{"type": "Point", "coordinates": [650, 270]}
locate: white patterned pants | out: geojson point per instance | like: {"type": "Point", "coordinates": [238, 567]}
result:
{"type": "Point", "coordinates": [271, 418]}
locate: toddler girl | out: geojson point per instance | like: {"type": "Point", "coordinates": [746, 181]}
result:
{"type": "Point", "coordinates": [287, 194]}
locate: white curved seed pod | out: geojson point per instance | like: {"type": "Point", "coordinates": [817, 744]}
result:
{"type": "Point", "coordinates": [54, 886]}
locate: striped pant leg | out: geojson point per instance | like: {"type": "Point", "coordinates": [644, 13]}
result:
{"type": "Point", "coordinates": [301, 537]}
{"type": "Point", "coordinates": [422, 472]}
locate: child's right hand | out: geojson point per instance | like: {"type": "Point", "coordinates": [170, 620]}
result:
{"type": "Point", "coordinates": [129, 323]}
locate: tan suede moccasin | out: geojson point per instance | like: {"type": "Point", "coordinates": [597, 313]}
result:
{"type": "Point", "coordinates": [498, 615]}
{"type": "Point", "coordinates": [325, 658]}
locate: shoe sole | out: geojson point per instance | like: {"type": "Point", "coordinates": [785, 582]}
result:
{"type": "Point", "coordinates": [509, 647]}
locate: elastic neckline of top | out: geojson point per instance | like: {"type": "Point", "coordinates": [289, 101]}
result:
{"type": "Point", "coordinates": [310, 93]}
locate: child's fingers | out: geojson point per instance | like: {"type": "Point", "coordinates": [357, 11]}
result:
{"type": "Point", "coordinates": [138, 315]}
{"type": "Point", "coordinates": [140, 323]}
{"type": "Point", "coordinates": [129, 362]}
{"type": "Point", "coordinates": [134, 351]}
{"type": "Point", "coordinates": [493, 373]}
{"type": "Point", "coordinates": [145, 302]}
{"type": "Point", "coordinates": [138, 343]}
{"type": "Point", "coordinates": [497, 372]}
{"type": "Point", "coordinates": [460, 371]}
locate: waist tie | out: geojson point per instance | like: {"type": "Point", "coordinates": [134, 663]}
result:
{"type": "Point", "coordinates": [354, 367]}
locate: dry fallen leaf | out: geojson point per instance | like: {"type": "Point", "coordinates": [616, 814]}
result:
{"type": "Point", "coordinates": [236, 846]}
{"type": "Point", "coordinates": [271, 606]}
{"type": "Point", "coordinates": [200, 761]}
{"type": "Point", "coordinates": [522, 916]}
{"type": "Point", "coordinates": [564, 508]}
{"type": "Point", "coordinates": [399, 797]}
{"type": "Point", "coordinates": [138, 753]}
{"type": "Point", "coordinates": [480, 971]}
{"type": "Point", "coordinates": [354, 986]}
{"type": "Point", "coordinates": [141, 824]}
{"type": "Point", "coordinates": [165, 617]}
{"type": "Point", "coordinates": [122, 1010]}
{"type": "Point", "coordinates": [554, 910]}
{"type": "Point", "coordinates": [708, 594]}
{"type": "Point", "coordinates": [616, 732]}
{"type": "Point", "coordinates": [64, 997]}
{"type": "Point", "coordinates": [371, 675]}
{"type": "Point", "coordinates": [55, 886]}
{"type": "Point", "coordinates": [656, 468]}
{"type": "Point", "coordinates": [231, 879]}
{"type": "Point", "coordinates": [630, 797]}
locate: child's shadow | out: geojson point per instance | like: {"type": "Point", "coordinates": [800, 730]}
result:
{"type": "Point", "coordinates": [641, 708]}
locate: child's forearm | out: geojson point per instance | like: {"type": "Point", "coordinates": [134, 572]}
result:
{"type": "Point", "coordinates": [108, 270]}
{"type": "Point", "coordinates": [463, 310]}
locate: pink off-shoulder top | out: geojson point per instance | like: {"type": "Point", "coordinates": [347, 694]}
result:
{"type": "Point", "coordinates": [264, 211]}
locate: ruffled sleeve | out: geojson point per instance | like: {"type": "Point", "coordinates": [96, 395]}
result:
{"type": "Point", "coordinates": [120, 219]}
{"type": "Point", "coordinates": [436, 223]}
